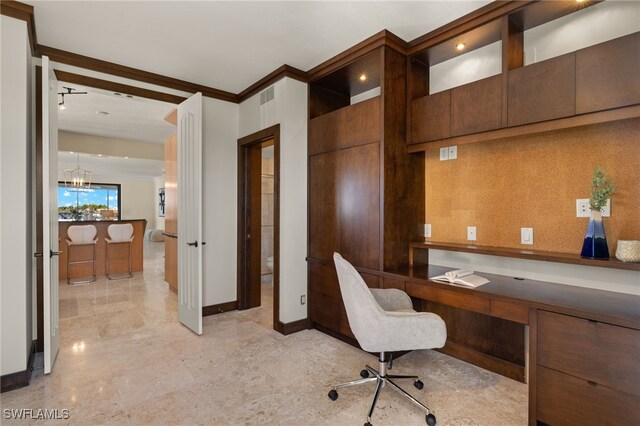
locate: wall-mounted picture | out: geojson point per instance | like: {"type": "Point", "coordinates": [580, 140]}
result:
{"type": "Point", "coordinates": [161, 202]}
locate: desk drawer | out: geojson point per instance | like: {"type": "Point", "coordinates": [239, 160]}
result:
{"type": "Point", "coordinates": [602, 353]}
{"type": "Point", "coordinates": [567, 400]}
{"type": "Point", "coordinates": [471, 301]}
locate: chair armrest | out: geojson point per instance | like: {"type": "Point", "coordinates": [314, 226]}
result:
{"type": "Point", "coordinates": [391, 299]}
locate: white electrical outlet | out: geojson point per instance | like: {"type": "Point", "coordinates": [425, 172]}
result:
{"type": "Point", "coordinates": [444, 153]}
{"type": "Point", "coordinates": [427, 230]}
{"type": "Point", "coordinates": [583, 209]}
{"type": "Point", "coordinates": [526, 236]}
{"type": "Point", "coordinates": [471, 233]}
{"type": "Point", "coordinates": [453, 152]}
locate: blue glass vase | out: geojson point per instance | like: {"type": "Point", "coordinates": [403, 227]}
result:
{"type": "Point", "coordinates": [595, 241]}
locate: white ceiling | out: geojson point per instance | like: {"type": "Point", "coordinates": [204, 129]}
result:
{"type": "Point", "coordinates": [111, 166]}
{"type": "Point", "coordinates": [134, 118]}
{"type": "Point", "coordinates": [230, 45]}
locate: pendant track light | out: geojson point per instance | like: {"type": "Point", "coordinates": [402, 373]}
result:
{"type": "Point", "coordinates": [69, 91]}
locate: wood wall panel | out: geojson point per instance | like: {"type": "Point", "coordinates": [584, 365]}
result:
{"type": "Point", "coordinates": [118, 262]}
{"type": "Point", "coordinates": [533, 181]}
{"type": "Point", "coordinates": [358, 124]}
{"type": "Point", "coordinates": [607, 75]}
{"type": "Point", "coordinates": [542, 91]}
{"type": "Point", "coordinates": [171, 262]}
{"type": "Point", "coordinates": [171, 185]}
{"type": "Point", "coordinates": [344, 190]}
{"type": "Point", "coordinates": [430, 117]}
{"type": "Point", "coordinates": [476, 107]}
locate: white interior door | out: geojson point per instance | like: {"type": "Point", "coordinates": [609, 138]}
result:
{"type": "Point", "coordinates": [50, 244]}
{"type": "Point", "coordinates": [190, 213]}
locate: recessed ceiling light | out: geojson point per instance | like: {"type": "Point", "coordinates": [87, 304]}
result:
{"type": "Point", "coordinates": [70, 152]}
{"type": "Point", "coordinates": [102, 113]}
{"type": "Point", "coordinates": [126, 158]}
{"type": "Point", "coordinates": [117, 94]}
{"type": "Point", "coordinates": [460, 46]}
{"type": "Point", "coordinates": [363, 77]}
{"type": "Point", "coordinates": [99, 155]}
{"type": "Point", "coordinates": [129, 97]}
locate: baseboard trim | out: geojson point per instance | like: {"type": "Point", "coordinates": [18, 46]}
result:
{"type": "Point", "coordinates": [219, 308]}
{"type": "Point", "coordinates": [19, 379]}
{"type": "Point", "coordinates": [292, 327]}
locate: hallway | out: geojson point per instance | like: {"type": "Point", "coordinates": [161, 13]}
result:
{"type": "Point", "coordinates": [125, 359]}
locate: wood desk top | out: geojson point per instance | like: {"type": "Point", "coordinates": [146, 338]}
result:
{"type": "Point", "coordinates": [607, 306]}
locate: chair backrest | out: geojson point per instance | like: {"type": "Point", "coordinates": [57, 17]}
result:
{"type": "Point", "coordinates": [82, 234]}
{"type": "Point", "coordinates": [362, 309]}
{"type": "Point", "coordinates": [121, 232]}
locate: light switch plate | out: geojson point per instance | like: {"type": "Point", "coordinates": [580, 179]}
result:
{"type": "Point", "coordinates": [471, 233]}
{"type": "Point", "coordinates": [427, 230]}
{"type": "Point", "coordinates": [444, 153]}
{"type": "Point", "coordinates": [526, 236]}
{"type": "Point", "coordinates": [453, 152]}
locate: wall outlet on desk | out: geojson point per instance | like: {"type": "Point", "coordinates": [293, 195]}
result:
{"type": "Point", "coordinates": [427, 230]}
{"type": "Point", "coordinates": [471, 233]}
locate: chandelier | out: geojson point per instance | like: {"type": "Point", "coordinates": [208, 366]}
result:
{"type": "Point", "coordinates": [77, 178]}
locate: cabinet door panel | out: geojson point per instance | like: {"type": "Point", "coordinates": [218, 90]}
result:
{"type": "Point", "coordinates": [323, 196]}
{"type": "Point", "coordinates": [542, 91]}
{"type": "Point", "coordinates": [567, 400]}
{"type": "Point", "coordinates": [607, 75]}
{"type": "Point", "coordinates": [477, 107]}
{"type": "Point", "coordinates": [358, 198]}
{"type": "Point", "coordinates": [430, 118]}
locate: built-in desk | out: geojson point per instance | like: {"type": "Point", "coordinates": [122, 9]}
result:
{"type": "Point", "coordinates": [583, 344]}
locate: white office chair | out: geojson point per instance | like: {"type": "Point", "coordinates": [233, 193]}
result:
{"type": "Point", "coordinates": [383, 320]}
{"type": "Point", "coordinates": [119, 234]}
{"type": "Point", "coordinates": [81, 235]}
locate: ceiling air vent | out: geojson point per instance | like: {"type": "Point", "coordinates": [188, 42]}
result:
{"type": "Point", "coordinates": [267, 95]}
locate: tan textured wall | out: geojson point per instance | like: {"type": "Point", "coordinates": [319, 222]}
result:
{"type": "Point", "coordinates": [267, 213]}
{"type": "Point", "coordinates": [534, 181]}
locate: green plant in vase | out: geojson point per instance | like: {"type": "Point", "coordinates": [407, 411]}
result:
{"type": "Point", "coordinates": [595, 241]}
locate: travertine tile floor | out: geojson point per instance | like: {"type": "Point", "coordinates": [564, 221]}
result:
{"type": "Point", "coordinates": [125, 359]}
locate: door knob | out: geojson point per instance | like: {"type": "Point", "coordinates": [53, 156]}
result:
{"type": "Point", "coordinates": [193, 244]}
{"type": "Point", "coordinates": [54, 253]}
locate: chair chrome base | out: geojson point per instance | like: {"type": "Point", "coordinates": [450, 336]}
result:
{"type": "Point", "coordinates": [382, 379]}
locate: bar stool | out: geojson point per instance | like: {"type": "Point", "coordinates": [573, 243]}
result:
{"type": "Point", "coordinates": [81, 235]}
{"type": "Point", "coordinates": [119, 234]}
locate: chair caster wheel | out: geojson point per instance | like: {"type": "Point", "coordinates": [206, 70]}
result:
{"type": "Point", "coordinates": [364, 374]}
{"type": "Point", "coordinates": [333, 394]}
{"type": "Point", "coordinates": [418, 384]}
{"type": "Point", "coordinates": [431, 419]}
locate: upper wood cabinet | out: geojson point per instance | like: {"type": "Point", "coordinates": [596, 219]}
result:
{"type": "Point", "coordinates": [608, 75]}
{"type": "Point", "coordinates": [476, 107]}
{"type": "Point", "coordinates": [431, 117]}
{"type": "Point", "coordinates": [542, 91]}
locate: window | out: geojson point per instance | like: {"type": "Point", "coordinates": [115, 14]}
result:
{"type": "Point", "coordinates": [99, 202]}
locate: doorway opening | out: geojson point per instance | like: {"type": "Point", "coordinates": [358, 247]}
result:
{"type": "Point", "coordinates": [259, 222]}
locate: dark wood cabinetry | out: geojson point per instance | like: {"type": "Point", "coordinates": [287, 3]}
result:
{"type": "Point", "coordinates": [542, 91]}
{"type": "Point", "coordinates": [586, 366]}
{"type": "Point", "coordinates": [366, 194]}
{"type": "Point", "coordinates": [607, 75]}
{"type": "Point", "coordinates": [476, 107]}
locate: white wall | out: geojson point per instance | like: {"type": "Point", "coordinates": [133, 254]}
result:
{"type": "Point", "coordinates": [595, 24]}
{"type": "Point", "coordinates": [475, 65]}
{"type": "Point", "coordinates": [15, 197]}
{"type": "Point", "coordinates": [158, 182]}
{"type": "Point", "coordinates": [289, 109]}
{"type": "Point", "coordinates": [220, 176]}
{"type": "Point", "coordinates": [90, 144]}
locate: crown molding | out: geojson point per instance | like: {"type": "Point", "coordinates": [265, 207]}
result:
{"type": "Point", "coordinates": [269, 79]}
{"type": "Point", "coordinates": [24, 12]}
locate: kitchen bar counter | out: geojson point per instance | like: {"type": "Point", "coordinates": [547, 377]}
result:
{"type": "Point", "coordinates": [118, 262]}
